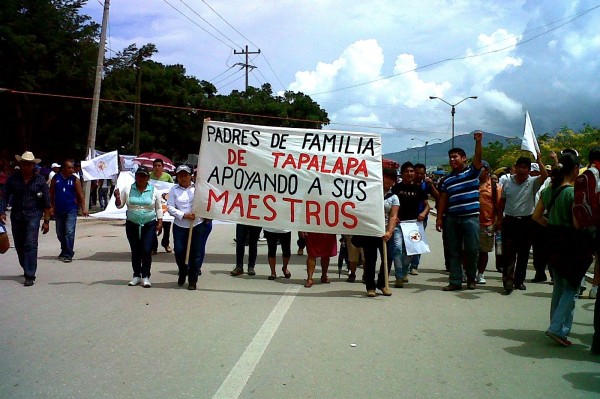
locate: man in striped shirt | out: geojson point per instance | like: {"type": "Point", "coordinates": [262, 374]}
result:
{"type": "Point", "coordinates": [459, 201]}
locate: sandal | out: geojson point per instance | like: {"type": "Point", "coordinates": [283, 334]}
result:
{"type": "Point", "coordinates": [272, 277]}
{"type": "Point", "coordinates": [309, 283]}
{"type": "Point", "coordinates": [325, 280]}
{"type": "Point", "coordinates": [286, 275]}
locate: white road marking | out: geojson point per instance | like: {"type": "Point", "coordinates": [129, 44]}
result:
{"type": "Point", "coordinates": [240, 374]}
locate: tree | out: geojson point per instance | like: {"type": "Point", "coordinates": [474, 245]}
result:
{"type": "Point", "coordinates": [47, 47]}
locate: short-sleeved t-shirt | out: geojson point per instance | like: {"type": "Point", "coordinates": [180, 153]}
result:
{"type": "Point", "coordinates": [462, 189]}
{"type": "Point", "coordinates": [487, 208]}
{"type": "Point", "coordinates": [164, 177]}
{"type": "Point", "coordinates": [561, 211]}
{"type": "Point", "coordinates": [520, 198]}
{"type": "Point", "coordinates": [390, 200]}
{"type": "Point", "coordinates": [411, 196]}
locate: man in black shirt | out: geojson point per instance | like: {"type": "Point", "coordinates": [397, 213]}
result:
{"type": "Point", "coordinates": [411, 197]}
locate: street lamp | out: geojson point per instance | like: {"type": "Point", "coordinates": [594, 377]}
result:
{"type": "Point", "coordinates": [453, 110]}
{"type": "Point", "coordinates": [426, 142]}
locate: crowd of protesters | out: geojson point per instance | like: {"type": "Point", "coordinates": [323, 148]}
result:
{"type": "Point", "coordinates": [477, 210]}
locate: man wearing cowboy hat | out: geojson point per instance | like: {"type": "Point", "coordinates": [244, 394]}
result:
{"type": "Point", "coordinates": [31, 200]}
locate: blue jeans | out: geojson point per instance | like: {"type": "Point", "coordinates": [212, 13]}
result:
{"type": "Point", "coordinates": [562, 308]}
{"type": "Point", "coordinates": [65, 231]}
{"type": "Point", "coordinates": [462, 234]}
{"type": "Point", "coordinates": [140, 242]}
{"type": "Point", "coordinates": [395, 251]}
{"type": "Point", "coordinates": [25, 234]}
{"type": "Point", "coordinates": [243, 231]}
{"type": "Point", "coordinates": [200, 235]}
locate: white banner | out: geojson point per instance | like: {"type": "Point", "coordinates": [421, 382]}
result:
{"type": "Point", "coordinates": [102, 167]}
{"type": "Point", "coordinates": [529, 142]}
{"type": "Point", "coordinates": [415, 240]}
{"type": "Point", "coordinates": [301, 179]}
{"type": "Point", "coordinates": [124, 182]}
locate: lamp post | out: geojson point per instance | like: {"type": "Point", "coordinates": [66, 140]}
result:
{"type": "Point", "coordinates": [426, 143]}
{"type": "Point", "coordinates": [453, 110]}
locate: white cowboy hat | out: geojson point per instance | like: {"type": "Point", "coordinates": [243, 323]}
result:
{"type": "Point", "coordinates": [27, 157]}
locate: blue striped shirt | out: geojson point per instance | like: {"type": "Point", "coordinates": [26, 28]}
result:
{"type": "Point", "coordinates": [463, 192]}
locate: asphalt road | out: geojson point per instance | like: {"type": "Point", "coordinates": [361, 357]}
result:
{"type": "Point", "coordinates": [81, 332]}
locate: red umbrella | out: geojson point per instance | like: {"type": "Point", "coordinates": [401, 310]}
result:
{"type": "Point", "coordinates": [147, 158]}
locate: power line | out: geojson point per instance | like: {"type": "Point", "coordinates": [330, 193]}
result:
{"type": "Point", "coordinates": [232, 27]}
{"type": "Point", "coordinates": [195, 23]}
{"type": "Point", "coordinates": [211, 25]}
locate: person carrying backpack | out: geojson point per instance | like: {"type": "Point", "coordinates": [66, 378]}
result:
{"type": "Point", "coordinates": [567, 253]}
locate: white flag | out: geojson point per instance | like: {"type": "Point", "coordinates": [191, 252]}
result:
{"type": "Point", "coordinates": [415, 240]}
{"type": "Point", "coordinates": [529, 141]}
{"type": "Point", "coordinates": [102, 167]}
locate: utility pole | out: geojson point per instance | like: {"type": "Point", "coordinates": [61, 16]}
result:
{"type": "Point", "coordinates": [138, 98]}
{"type": "Point", "coordinates": [96, 98]}
{"type": "Point", "coordinates": [246, 65]}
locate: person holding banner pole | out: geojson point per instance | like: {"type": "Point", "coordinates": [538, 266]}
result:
{"type": "Point", "coordinates": [371, 245]}
{"type": "Point", "coordinates": [190, 233]}
{"type": "Point", "coordinates": [144, 221]}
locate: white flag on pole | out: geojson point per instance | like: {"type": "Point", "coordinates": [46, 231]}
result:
{"type": "Point", "coordinates": [103, 167]}
{"type": "Point", "coordinates": [529, 142]}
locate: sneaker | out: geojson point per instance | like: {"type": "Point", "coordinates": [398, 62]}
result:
{"type": "Point", "coordinates": [251, 271]}
{"type": "Point", "coordinates": [399, 284]}
{"type": "Point", "coordinates": [168, 249]}
{"type": "Point", "coordinates": [28, 282]}
{"type": "Point", "coordinates": [386, 291]}
{"type": "Point", "coordinates": [146, 282]}
{"type": "Point", "coordinates": [593, 292]}
{"type": "Point", "coordinates": [135, 281]}
{"type": "Point", "coordinates": [405, 279]}
{"type": "Point", "coordinates": [61, 257]}
{"type": "Point", "coordinates": [67, 259]}
{"type": "Point", "coordinates": [480, 279]}
{"type": "Point", "coordinates": [414, 272]}
{"type": "Point", "coordinates": [238, 271]}
{"type": "Point", "coordinates": [371, 293]}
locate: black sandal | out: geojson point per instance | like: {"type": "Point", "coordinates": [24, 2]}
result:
{"type": "Point", "coordinates": [286, 275]}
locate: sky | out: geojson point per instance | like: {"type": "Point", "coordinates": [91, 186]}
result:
{"type": "Point", "coordinates": [372, 65]}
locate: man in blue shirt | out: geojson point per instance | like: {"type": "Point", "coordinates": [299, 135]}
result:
{"type": "Point", "coordinates": [459, 201]}
{"type": "Point", "coordinates": [30, 200]}
{"type": "Point", "coordinates": [65, 196]}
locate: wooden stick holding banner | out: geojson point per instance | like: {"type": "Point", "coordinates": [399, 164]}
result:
{"type": "Point", "coordinates": [384, 267]}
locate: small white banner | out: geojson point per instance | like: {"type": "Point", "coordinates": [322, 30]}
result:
{"type": "Point", "coordinates": [101, 167]}
{"type": "Point", "coordinates": [124, 182]}
{"type": "Point", "coordinates": [415, 240]}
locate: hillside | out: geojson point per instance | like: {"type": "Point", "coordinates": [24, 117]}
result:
{"type": "Point", "coordinates": [437, 153]}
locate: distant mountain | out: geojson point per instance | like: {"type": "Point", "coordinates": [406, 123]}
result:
{"type": "Point", "coordinates": [437, 153]}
